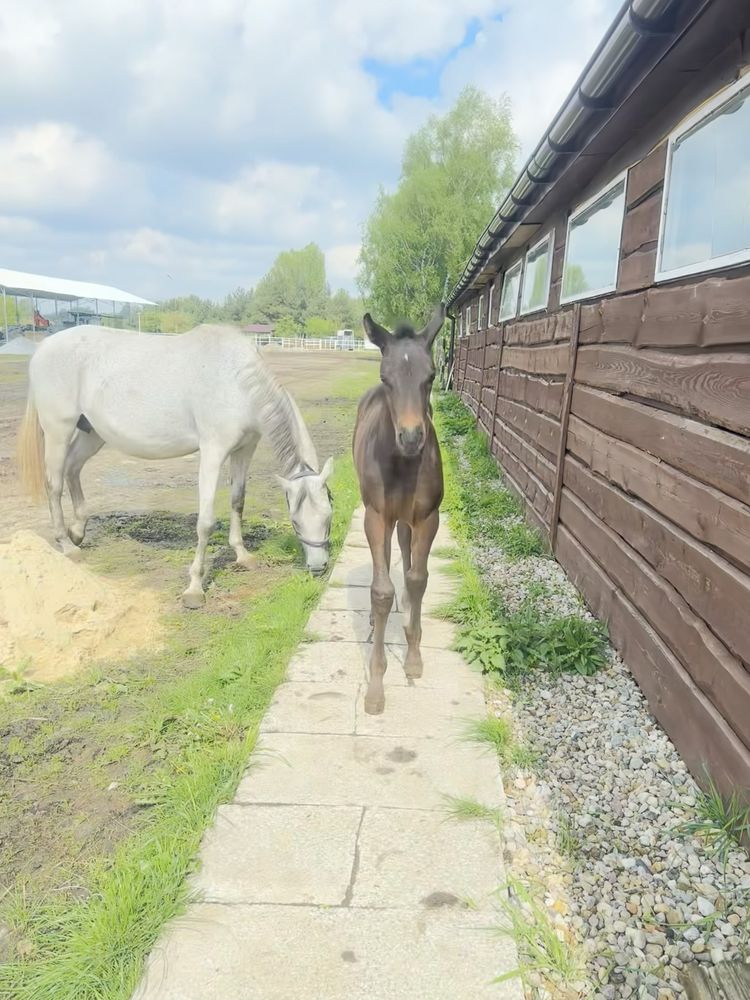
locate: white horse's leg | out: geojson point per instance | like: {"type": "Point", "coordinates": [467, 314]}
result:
{"type": "Point", "coordinates": [238, 464]}
{"type": "Point", "coordinates": [83, 447]}
{"type": "Point", "coordinates": [56, 444]}
{"type": "Point", "coordinates": [211, 461]}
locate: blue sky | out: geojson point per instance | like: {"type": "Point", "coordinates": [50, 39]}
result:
{"type": "Point", "coordinates": [174, 148]}
{"type": "Point", "coordinates": [419, 77]}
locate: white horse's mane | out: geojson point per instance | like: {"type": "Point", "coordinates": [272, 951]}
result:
{"type": "Point", "coordinates": [282, 420]}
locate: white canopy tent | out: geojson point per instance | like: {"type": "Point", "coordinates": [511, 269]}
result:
{"type": "Point", "coordinates": [76, 294]}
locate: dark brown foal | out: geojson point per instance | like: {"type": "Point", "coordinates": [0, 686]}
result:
{"type": "Point", "coordinates": [397, 457]}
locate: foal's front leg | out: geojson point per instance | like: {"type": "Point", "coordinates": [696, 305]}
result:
{"type": "Point", "coordinates": [422, 537]}
{"type": "Point", "coordinates": [379, 534]}
{"type": "Point", "coordinates": [208, 479]}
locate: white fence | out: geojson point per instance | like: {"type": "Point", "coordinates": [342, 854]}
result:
{"type": "Point", "coordinates": [311, 343]}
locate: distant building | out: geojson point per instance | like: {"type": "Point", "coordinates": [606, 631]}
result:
{"type": "Point", "coordinates": [263, 329]}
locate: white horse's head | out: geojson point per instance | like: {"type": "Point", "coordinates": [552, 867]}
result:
{"type": "Point", "coordinates": [309, 501]}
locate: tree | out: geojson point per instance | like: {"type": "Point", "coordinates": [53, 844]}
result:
{"type": "Point", "coordinates": [454, 173]}
{"type": "Point", "coordinates": [294, 288]}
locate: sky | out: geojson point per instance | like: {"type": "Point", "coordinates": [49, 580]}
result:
{"type": "Point", "coordinates": [173, 146]}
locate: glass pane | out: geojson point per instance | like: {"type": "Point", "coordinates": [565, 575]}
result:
{"type": "Point", "coordinates": [509, 297]}
{"type": "Point", "coordinates": [594, 245]}
{"type": "Point", "coordinates": [708, 208]}
{"type": "Point", "coordinates": [536, 278]}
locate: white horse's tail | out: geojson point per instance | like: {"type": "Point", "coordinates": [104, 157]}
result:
{"type": "Point", "coordinates": [30, 453]}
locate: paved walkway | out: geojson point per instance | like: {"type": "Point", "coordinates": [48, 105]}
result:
{"type": "Point", "coordinates": [336, 873]}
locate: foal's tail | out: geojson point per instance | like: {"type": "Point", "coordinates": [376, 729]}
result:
{"type": "Point", "coordinates": [30, 453]}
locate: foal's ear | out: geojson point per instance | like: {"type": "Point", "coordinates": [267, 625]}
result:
{"type": "Point", "coordinates": [325, 472]}
{"type": "Point", "coordinates": [433, 327]}
{"type": "Point", "coordinates": [376, 333]}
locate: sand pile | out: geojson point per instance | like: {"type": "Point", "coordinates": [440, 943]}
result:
{"type": "Point", "coordinates": [56, 615]}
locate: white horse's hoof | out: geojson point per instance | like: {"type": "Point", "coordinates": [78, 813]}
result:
{"type": "Point", "coordinates": [71, 552]}
{"type": "Point", "coordinates": [76, 537]}
{"type": "Point", "coordinates": [193, 601]}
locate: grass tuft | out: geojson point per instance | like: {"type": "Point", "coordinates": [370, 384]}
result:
{"type": "Point", "coordinates": [467, 809]}
{"type": "Point", "coordinates": [497, 732]}
{"type": "Point", "coordinates": [545, 953]}
{"type": "Point", "coordinates": [722, 824]}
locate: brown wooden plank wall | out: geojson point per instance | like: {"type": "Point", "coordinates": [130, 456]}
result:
{"type": "Point", "coordinates": [654, 489]}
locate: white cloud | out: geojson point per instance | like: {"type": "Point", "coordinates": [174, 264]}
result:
{"type": "Point", "coordinates": [50, 165]}
{"type": "Point", "coordinates": [342, 264]}
{"type": "Point", "coordinates": [148, 138]}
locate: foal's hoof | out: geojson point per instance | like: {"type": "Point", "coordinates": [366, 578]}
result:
{"type": "Point", "coordinates": [413, 667]}
{"type": "Point", "coordinates": [76, 537]}
{"type": "Point", "coordinates": [193, 601]}
{"type": "Point", "coordinates": [374, 704]}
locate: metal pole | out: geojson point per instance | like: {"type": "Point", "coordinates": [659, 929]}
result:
{"type": "Point", "coordinates": [5, 315]}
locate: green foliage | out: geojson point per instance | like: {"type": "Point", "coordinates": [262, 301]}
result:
{"type": "Point", "coordinates": [722, 824]}
{"type": "Point", "coordinates": [454, 172]}
{"type": "Point", "coordinates": [319, 326]}
{"type": "Point", "coordinates": [572, 645]}
{"type": "Point", "coordinates": [514, 644]}
{"type": "Point", "coordinates": [294, 288]}
{"type": "Point", "coordinates": [477, 497]}
{"type": "Point", "coordinates": [485, 646]}
{"type": "Point", "coordinates": [293, 297]}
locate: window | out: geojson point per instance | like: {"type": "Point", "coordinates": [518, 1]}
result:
{"type": "Point", "coordinates": [592, 247]}
{"type": "Point", "coordinates": [509, 296]}
{"type": "Point", "coordinates": [468, 321]}
{"type": "Point", "coordinates": [489, 304]}
{"type": "Point", "coordinates": [536, 275]}
{"type": "Point", "coordinates": [705, 221]}
{"type": "Point", "coordinates": [479, 314]}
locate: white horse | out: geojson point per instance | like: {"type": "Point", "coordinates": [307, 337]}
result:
{"type": "Point", "coordinates": [162, 397]}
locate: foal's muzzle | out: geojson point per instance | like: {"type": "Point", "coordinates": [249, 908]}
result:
{"type": "Point", "coordinates": [411, 440]}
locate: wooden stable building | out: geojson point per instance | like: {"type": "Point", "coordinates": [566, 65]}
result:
{"type": "Point", "coordinates": [602, 336]}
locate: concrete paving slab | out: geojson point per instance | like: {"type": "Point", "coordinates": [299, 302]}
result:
{"type": "Point", "coordinates": [354, 626]}
{"type": "Point", "coordinates": [329, 663]}
{"type": "Point", "coordinates": [336, 873]}
{"type": "Point", "coordinates": [425, 859]}
{"type": "Point", "coordinates": [368, 770]}
{"type": "Point", "coordinates": [279, 854]}
{"type": "Point", "coordinates": [308, 953]}
{"type": "Point", "coordinates": [306, 707]}
{"type": "Point", "coordinates": [423, 713]}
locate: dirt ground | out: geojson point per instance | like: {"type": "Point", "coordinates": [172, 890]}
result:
{"type": "Point", "coordinates": [76, 754]}
{"type": "Point", "coordinates": [116, 483]}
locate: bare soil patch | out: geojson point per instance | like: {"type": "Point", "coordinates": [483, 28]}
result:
{"type": "Point", "coordinates": [56, 615]}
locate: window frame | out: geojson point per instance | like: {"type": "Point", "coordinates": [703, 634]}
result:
{"type": "Point", "coordinates": [490, 290]}
{"type": "Point", "coordinates": [549, 237]}
{"type": "Point", "coordinates": [689, 124]}
{"type": "Point", "coordinates": [622, 178]}
{"type": "Point", "coordinates": [480, 311]}
{"type": "Point", "coordinates": [518, 265]}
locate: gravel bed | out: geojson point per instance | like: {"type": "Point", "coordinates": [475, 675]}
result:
{"type": "Point", "coordinates": [599, 822]}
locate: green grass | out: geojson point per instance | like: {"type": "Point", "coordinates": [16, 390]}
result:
{"type": "Point", "coordinates": [194, 735]}
{"type": "Point", "coordinates": [485, 507]}
{"type": "Point", "coordinates": [542, 952]}
{"type": "Point", "coordinates": [723, 823]}
{"type": "Point", "coordinates": [498, 734]}
{"type": "Point", "coordinates": [467, 809]}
